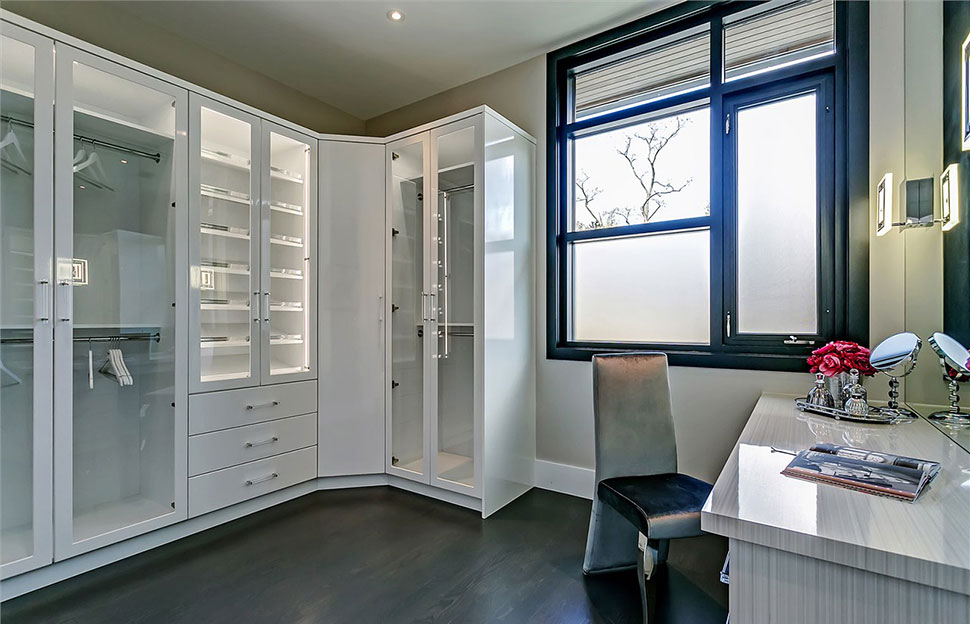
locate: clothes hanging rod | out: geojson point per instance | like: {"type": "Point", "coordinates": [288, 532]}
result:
{"type": "Point", "coordinates": [152, 336]}
{"type": "Point", "coordinates": [457, 189]}
{"type": "Point", "coordinates": [157, 157]}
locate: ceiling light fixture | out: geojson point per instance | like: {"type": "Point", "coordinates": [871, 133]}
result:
{"type": "Point", "coordinates": [395, 16]}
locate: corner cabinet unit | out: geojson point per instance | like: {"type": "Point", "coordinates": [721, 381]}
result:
{"type": "Point", "coordinates": [252, 238]}
{"type": "Point", "coordinates": [460, 379]}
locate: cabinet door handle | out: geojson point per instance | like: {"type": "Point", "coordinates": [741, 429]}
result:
{"type": "Point", "coordinates": [268, 477]}
{"type": "Point", "coordinates": [255, 307]}
{"type": "Point", "coordinates": [266, 306]}
{"type": "Point", "coordinates": [262, 405]}
{"type": "Point", "coordinates": [262, 442]}
{"type": "Point", "coordinates": [45, 309]}
{"type": "Point", "coordinates": [63, 316]}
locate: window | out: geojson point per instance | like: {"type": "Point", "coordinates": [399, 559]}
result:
{"type": "Point", "coordinates": [707, 185]}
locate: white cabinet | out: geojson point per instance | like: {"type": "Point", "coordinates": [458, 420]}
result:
{"type": "Point", "coordinates": [120, 254]}
{"type": "Point", "coordinates": [460, 366]}
{"type": "Point", "coordinates": [351, 342]}
{"type": "Point", "coordinates": [26, 329]}
{"type": "Point", "coordinates": [252, 240]}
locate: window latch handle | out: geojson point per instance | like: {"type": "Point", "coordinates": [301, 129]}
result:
{"type": "Point", "coordinates": [794, 340]}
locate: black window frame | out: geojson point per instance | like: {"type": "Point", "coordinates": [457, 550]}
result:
{"type": "Point", "coordinates": [844, 237]}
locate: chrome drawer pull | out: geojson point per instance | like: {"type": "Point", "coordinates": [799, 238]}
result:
{"type": "Point", "coordinates": [268, 477]}
{"type": "Point", "coordinates": [262, 442]}
{"type": "Point", "coordinates": [262, 405]}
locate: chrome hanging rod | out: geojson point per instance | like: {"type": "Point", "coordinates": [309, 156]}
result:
{"type": "Point", "coordinates": [458, 189]}
{"type": "Point", "coordinates": [84, 139]}
{"type": "Point", "coordinates": [152, 336]}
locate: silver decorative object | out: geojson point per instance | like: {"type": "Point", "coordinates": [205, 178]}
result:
{"type": "Point", "coordinates": [835, 384]}
{"type": "Point", "coordinates": [955, 361]}
{"type": "Point", "coordinates": [820, 395]}
{"type": "Point", "coordinates": [895, 357]}
{"type": "Point", "coordinates": [856, 404]}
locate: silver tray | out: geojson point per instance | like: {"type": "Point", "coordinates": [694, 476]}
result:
{"type": "Point", "coordinates": [876, 416]}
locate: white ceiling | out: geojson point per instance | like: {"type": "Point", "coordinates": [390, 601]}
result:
{"type": "Point", "coordinates": [348, 54]}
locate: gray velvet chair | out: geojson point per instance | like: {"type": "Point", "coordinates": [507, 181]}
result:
{"type": "Point", "coordinates": [638, 489]}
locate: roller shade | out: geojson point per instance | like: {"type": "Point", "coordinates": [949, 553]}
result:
{"type": "Point", "coordinates": [665, 69]}
{"type": "Point", "coordinates": [778, 35]}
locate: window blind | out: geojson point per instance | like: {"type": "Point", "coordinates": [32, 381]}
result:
{"type": "Point", "coordinates": [669, 68]}
{"type": "Point", "coordinates": [787, 33]}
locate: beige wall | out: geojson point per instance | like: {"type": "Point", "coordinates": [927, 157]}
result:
{"type": "Point", "coordinates": [111, 28]}
{"type": "Point", "coordinates": [712, 405]}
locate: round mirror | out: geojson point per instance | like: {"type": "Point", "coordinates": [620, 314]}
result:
{"type": "Point", "coordinates": [955, 356]}
{"type": "Point", "coordinates": [896, 355]}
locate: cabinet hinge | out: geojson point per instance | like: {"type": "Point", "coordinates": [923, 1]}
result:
{"type": "Point", "coordinates": [394, 384]}
{"type": "Point", "coordinates": [727, 124]}
{"type": "Point", "coordinates": [395, 231]}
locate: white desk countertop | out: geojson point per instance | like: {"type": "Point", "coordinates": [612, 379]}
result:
{"type": "Point", "coordinates": [926, 542]}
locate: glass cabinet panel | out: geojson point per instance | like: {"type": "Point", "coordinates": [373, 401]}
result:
{"type": "Point", "coordinates": [454, 271]}
{"type": "Point", "coordinates": [25, 334]}
{"type": "Point", "coordinates": [117, 293]}
{"type": "Point", "coordinates": [409, 307]}
{"type": "Point", "coordinates": [228, 279]}
{"type": "Point", "coordinates": [287, 299]}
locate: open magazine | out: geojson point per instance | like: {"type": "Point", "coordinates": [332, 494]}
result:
{"type": "Point", "coordinates": [883, 474]}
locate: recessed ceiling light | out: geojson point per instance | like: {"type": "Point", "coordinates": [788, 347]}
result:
{"type": "Point", "coordinates": [395, 16]}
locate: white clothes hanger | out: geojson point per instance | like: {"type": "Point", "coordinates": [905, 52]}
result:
{"type": "Point", "coordinates": [115, 367]}
{"type": "Point", "coordinates": [8, 376]}
{"type": "Point", "coordinates": [11, 138]}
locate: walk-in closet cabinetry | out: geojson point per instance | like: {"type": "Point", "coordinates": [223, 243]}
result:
{"type": "Point", "coordinates": [99, 276]}
{"type": "Point", "coordinates": [253, 285]}
{"type": "Point", "coordinates": [460, 368]}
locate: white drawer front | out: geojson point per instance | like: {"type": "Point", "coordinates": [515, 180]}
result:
{"type": "Point", "coordinates": [231, 447]}
{"type": "Point", "coordinates": [228, 486]}
{"type": "Point", "coordinates": [233, 408]}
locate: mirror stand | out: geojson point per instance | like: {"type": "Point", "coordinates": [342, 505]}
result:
{"type": "Point", "coordinates": [953, 416]}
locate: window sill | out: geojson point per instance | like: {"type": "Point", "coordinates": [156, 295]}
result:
{"type": "Point", "coordinates": [794, 363]}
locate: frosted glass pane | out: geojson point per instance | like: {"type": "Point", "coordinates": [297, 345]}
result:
{"type": "Point", "coordinates": [777, 217]}
{"type": "Point", "coordinates": [656, 170]}
{"type": "Point", "coordinates": [643, 289]}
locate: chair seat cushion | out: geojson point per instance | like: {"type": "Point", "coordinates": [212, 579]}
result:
{"type": "Point", "coordinates": [662, 506]}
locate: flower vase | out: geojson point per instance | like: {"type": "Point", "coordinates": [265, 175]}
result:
{"type": "Point", "coordinates": [834, 385]}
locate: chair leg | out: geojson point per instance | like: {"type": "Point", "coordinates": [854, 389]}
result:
{"type": "Point", "coordinates": [648, 591]}
{"type": "Point", "coordinates": [611, 543]}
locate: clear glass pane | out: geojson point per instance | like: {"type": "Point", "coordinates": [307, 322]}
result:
{"type": "Point", "coordinates": [407, 312]}
{"type": "Point", "coordinates": [777, 217]}
{"type": "Point", "coordinates": [16, 300]}
{"type": "Point", "coordinates": [226, 279]}
{"type": "Point", "coordinates": [455, 217]}
{"type": "Point", "coordinates": [124, 303]}
{"type": "Point", "coordinates": [759, 40]}
{"type": "Point", "coordinates": [657, 170]}
{"type": "Point", "coordinates": [289, 255]}
{"type": "Point", "coordinates": [653, 289]}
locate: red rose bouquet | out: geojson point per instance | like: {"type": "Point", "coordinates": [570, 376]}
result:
{"type": "Point", "coordinates": [841, 356]}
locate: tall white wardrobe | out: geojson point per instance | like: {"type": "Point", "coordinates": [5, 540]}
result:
{"type": "Point", "coordinates": [206, 310]}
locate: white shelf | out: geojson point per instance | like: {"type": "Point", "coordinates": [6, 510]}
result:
{"type": "Point", "coordinates": [223, 342]}
{"type": "Point", "coordinates": [215, 192]}
{"type": "Point", "coordinates": [456, 468]}
{"type": "Point", "coordinates": [287, 241]}
{"type": "Point", "coordinates": [279, 206]}
{"type": "Point", "coordinates": [16, 543]}
{"type": "Point", "coordinates": [224, 231]}
{"type": "Point", "coordinates": [282, 174]}
{"type": "Point", "coordinates": [225, 158]}
{"type": "Point", "coordinates": [292, 274]}
{"type": "Point", "coordinates": [279, 368]}
{"type": "Point", "coordinates": [229, 304]}
{"type": "Point", "coordinates": [229, 268]}
{"type": "Point", "coordinates": [115, 515]}
{"type": "Point", "coordinates": [224, 376]}
{"type": "Point", "coordinates": [286, 307]}
{"type": "Point", "coordinates": [225, 367]}
{"type": "Point", "coordinates": [286, 340]}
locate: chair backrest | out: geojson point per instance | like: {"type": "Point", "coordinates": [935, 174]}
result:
{"type": "Point", "coordinates": [633, 419]}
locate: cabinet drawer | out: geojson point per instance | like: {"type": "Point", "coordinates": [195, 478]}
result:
{"type": "Point", "coordinates": [230, 447]}
{"type": "Point", "coordinates": [228, 486]}
{"type": "Point", "coordinates": [246, 406]}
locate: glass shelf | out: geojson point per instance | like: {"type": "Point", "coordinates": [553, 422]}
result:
{"type": "Point", "coordinates": [282, 174]}
{"type": "Point", "coordinates": [225, 158]}
{"type": "Point", "coordinates": [224, 342]}
{"type": "Point", "coordinates": [282, 239]}
{"type": "Point", "coordinates": [280, 206]}
{"type": "Point", "coordinates": [229, 268]}
{"type": "Point", "coordinates": [224, 304]}
{"type": "Point", "coordinates": [215, 192]}
{"type": "Point", "coordinates": [293, 274]}
{"type": "Point", "coordinates": [286, 306]}
{"type": "Point", "coordinates": [214, 229]}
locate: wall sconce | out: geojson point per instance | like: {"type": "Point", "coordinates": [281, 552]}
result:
{"type": "Point", "coordinates": [950, 196]}
{"type": "Point", "coordinates": [884, 205]}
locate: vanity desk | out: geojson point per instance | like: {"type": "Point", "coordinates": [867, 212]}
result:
{"type": "Point", "coordinates": [807, 552]}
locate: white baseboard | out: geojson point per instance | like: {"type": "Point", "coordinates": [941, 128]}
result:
{"type": "Point", "coordinates": [565, 479]}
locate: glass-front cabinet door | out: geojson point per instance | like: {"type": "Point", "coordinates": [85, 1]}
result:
{"type": "Point", "coordinates": [121, 285]}
{"type": "Point", "coordinates": [287, 299]}
{"type": "Point", "coordinates": [456, 176]}
{"type": "Point", "coordinates": [224, 185]}
{"type": "Point", "coordinates": [26, 347]}
{"type": "Point", "coordinates": [410, 308]}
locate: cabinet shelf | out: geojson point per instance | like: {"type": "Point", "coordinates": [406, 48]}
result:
{"type": "Point", "coordinates": [231, 268]}
{"type": "Point", "coordinates": [224, 304]}
{"type": "Point", "coordinates": [291, 274]}
{"type": "Point", "coordinates": [114, 515]}
{"type": "Point", "coordinates": [225, 158]}
{"type": "Point", "coordinates": [286, 306]}
{"type": "Point", "coordinates": [18, 543]}
{"type": "Point", "coordinates": [279, 206]}
{"type": "Point", "coordinates": [279, 368]}
{"type": "Point", "coordinates": [286, 339]}
{"type": "Point", "coordinates": [282, 174]}
{"type": "Point", "coordinates": [286, 241]}
{"type": "Point", "coordinates": [215, 192]}
{"type": "Point", "coordinates": [224, 342]}
{"type": "Point", "coordinates": [225, 231]}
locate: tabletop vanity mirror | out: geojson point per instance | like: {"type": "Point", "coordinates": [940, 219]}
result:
{"type": "Point", "coordinates": [895, 357]}
{"type": "Point", "coordinates": [955, 362]}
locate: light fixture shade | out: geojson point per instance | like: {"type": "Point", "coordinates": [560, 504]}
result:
{"type": "Point", "coordinates": [950, 196]}
{"type": "Point", "coordinates": [884, 205]}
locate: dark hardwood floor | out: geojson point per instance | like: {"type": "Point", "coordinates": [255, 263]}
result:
{"type": "Point", "coordinates": [383, 555]}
